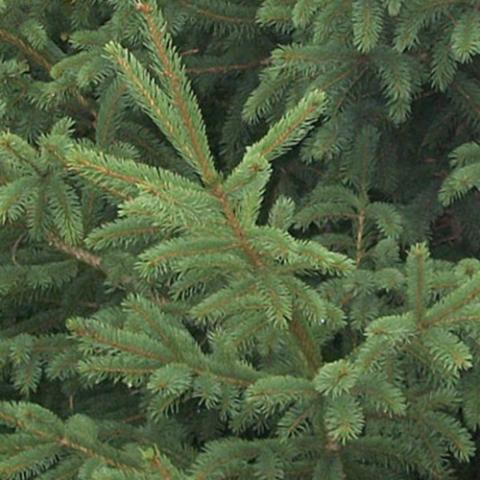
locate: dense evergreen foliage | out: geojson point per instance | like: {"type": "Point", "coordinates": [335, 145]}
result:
{"type": "Point", "coordinates": [239, 239]}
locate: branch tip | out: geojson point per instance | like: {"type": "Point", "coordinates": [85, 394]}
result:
{"type": "Point", "coordinates": [143, 8]}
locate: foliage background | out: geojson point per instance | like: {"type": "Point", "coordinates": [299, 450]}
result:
{"type": "Point", "coordinates": [384, 169]}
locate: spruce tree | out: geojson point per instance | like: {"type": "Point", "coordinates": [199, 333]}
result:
{"type": "Point", "coordinates": [239, 239]}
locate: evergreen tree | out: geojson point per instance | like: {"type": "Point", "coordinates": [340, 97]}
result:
{"type": "Point", "coordinates": [239, 239]}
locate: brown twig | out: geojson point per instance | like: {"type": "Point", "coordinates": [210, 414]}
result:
{"type": "Point", "coordinates": [79, 253]}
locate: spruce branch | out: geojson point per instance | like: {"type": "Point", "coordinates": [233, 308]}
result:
{"type": "Point", "coordinates": [228, 68]}
{"type": "Point", "coordinates": [306, 344]}
{"type": "Point", "coordinates": [178, 87]}
{"type": "Point", "coordinates": [212, 15]}
{"type": "Point", "coordinates": [162, 353]}
{"type": "Point", "coordinates": [26, 49]}
{"type": "Point", "coordinates": [453, 303]}
{"type": "Point", "coordinates": [44, 62]}
{"type": "Point", "coordinates": [83, 256]}
{"type": "Point", "coordinates": [419, 273]}
{"type": "Point", "coordinates": [108, 112]}
{"type": "Point", "coordinates": [147, 93]}
{"type": "Point", "coordinates": [49, 429]}
{"type": "Point", "coordinates": [360, 239]}
{"type": "Point", "coordinates": [21, 151]}
{"type": "Point", "coordinates": [254, 340]}
{"type": "Point", "coordinates": [291, 128]}
{"type": "Point", "coordinates": [237, 228]}
{"type": "Point", "coordinates": [163, 193]}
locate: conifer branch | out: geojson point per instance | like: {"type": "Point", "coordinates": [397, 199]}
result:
{"type": "Point", "coordinates": [93, 453]}
{"type": "Point", "coordinates": [291, 54]}
{"type": "Point", "coordinates": [236, 322]}
{"type": "Point", "coordinates": [237, 228]}
{"type": "Point", "coordinates": [359, 240]}
{"type": "Point", "coordinates": [181, 96]}
{"type": "Point", "coordinates": [144, 86]}
{"type": "Point", "coordinates": [7, 142]}
{"type": "Point", "coordinates": [83, 256]}
{"type": "Point", "coordinates": [215, 16]}
{"type": "Point", "coordinates": [156, 182]}
{"type": "Point", "coordinates": [343, 99]}
{"type": "Point", "coordinates": [325, 86]}
{"type": "Point", "coordinates": [180, 92]}
{"type": "Point", "coordinates": [452, 304]}
{"type": "Point", "coordinates": [164, 471]}
{"type": "Point", "coordinates": [121, 370]}
{"type": "Point", "coordinates": [26, 49]}
{"type": "Point", "coordinates": [50, 436]}
{"type": "Point", "coordinates": [307, 347]}
{"type": "Point", "coordinates": [456, 86]}
{"type": "Point", "coordinates": [288, 131]}
{"type": "Point", "coordinates": [146, 315]}
{"type": "Point", "coordinates": [228, 68]}
{"type": "Point", "coordinates": [192, 251]}
{"type": "Point", "coordinates": [106, 115]}
{"type": "Point", "coordinates": [83, 330]}
{"type": "Point", "coordinates": [292, 127]}
{"type": "Point", "coordinates": [41, 60]}
{"type": "Point", "coordinates": [418, 270]}
{"type": "Point", "coordinates": [80, 161]}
